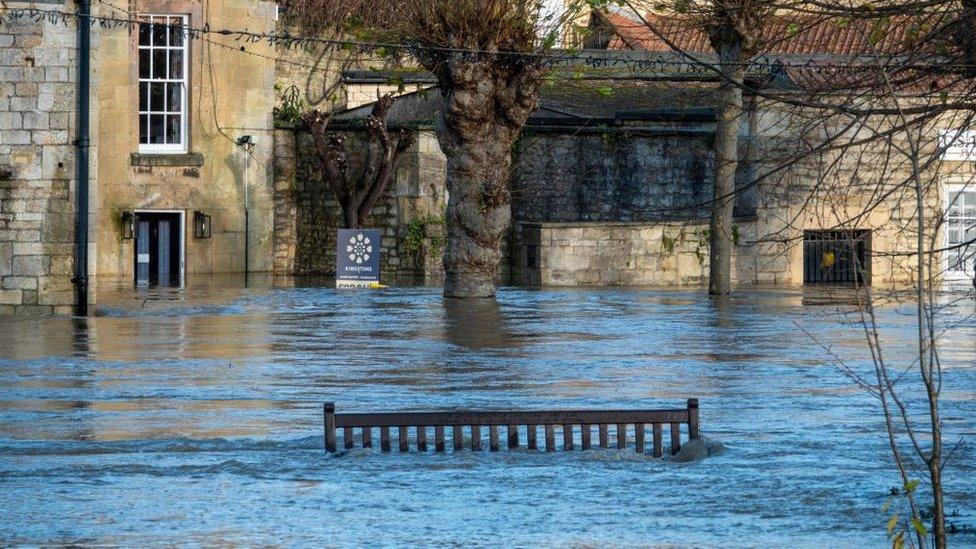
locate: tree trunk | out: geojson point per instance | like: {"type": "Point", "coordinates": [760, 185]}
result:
{"type": "Point", "coordinates": [482, 118]}
{"type": "Point", "coordinates": [726, 164]}
{"type": "Point", "coordinates": [350, 215]}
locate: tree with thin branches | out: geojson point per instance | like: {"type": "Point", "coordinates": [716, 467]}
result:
{"type": "Point", "coordinates": [359, 180]}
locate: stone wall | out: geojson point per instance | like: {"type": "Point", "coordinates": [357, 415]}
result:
{"type": "Point", "coordinates": [616, 174]}
{"type": "Point", "coordinates": [307, 215]}
{"type": "Point", "coordinates": [666, 253]}
{"type": "Point", "coordinates": [37, 104]}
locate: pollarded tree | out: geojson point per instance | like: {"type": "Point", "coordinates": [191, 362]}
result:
{"type": "Point", "coordinates": [359, 182]}
{"type": "Point", "coordinates": [483, 53]}
{"type": "Point", "coordinates": [486, 57]}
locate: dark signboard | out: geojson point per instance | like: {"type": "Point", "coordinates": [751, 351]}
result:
{"type": "Point", "coordinates": [357, 258]}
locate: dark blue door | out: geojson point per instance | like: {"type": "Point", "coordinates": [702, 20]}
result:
{"type": "Point", "coordinates": [157, 245]}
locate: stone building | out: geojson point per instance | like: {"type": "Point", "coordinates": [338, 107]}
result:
{"type": "Point", "coordinates": [185, 149]}
{"type": "Point", "coordinates": [192, 176]}
{"type": "Point", "coordinates": [611, 186]}
{"type": "Point", "coordinates": [37, 126]}
{"type": "Point", "coordinates": [176, 189]}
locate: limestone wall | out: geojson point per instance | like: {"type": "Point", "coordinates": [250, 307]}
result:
{"type": "Point", "coordinates": [667, 253]}
{"type": "Point", "coordinates": [617, 174]}
{"type": "Point", "coordinates": [231, 93]}
{"type": "Point", "coordinates": [37, 186]}
{"type": "Point", "coordinates": [308, 216]}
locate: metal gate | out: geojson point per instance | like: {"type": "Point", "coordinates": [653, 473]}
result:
{"type": "Point", "coordinates": [837, 257]}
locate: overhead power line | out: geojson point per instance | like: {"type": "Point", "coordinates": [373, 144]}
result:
{"type": "Point", "coordinates": [629, 59]}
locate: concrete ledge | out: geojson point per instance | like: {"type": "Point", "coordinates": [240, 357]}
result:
{"type": "Point", "coordinates": [185, 159]}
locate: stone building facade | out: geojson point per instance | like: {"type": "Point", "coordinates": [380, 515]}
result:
{"type": "Point", "coordinates": [608, 188]}
{"type": "Point", "coordinates": [168, 110]}
{"type": "Point", "coordinates": [229, 94]}
{"type": "Point", "coordinates": [37, 178]}
{"type": "Point", "coordinates": [616, 190]}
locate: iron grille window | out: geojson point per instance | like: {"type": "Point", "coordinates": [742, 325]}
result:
{"type": "Point", "coordinates": [837, 257]}
{"type": "Point", "coordinates": [162, 84]}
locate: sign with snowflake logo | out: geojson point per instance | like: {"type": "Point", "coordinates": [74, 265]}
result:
{"type": "Point", "coordinates": [357, 258]}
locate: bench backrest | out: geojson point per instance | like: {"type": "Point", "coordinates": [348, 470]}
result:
{"type": "Point", "coordinates": [514, 421]}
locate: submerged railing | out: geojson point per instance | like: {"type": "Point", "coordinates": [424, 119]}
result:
{"type": "Point", "coordinates": [515, 422]}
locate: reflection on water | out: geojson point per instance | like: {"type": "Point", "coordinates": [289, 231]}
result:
{"type": "Point", "coordinates": [192, 416]}
{"type": "Point", "coordinates": [476, 324]}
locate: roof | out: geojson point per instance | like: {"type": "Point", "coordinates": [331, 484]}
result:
{"type": "Point", "coordinates": [574, 103]}
{"type": "Point", "coordinates": [784, 35]}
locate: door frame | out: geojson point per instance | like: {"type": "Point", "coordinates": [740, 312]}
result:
{"type": "Point", "coordinates": [182, 214]}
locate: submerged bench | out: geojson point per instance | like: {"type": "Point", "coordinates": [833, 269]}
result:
{"type": "Point", "coordinates": [514, 422]}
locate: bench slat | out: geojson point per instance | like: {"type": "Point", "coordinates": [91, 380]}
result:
{"type": "Point", "coordinates": [458, 432]}
{"type": "Point", "coordinates": [404, 439]}
{"type": "Point", "coordinates": [573, 417]}
{"type": "Point", "coordinates": [476, 437]}
{"type": "Point", "coordinates": [439, 438]}
{"type": "Point", "coordinates": [658, 442]}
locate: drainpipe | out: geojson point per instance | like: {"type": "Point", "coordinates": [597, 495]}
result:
{"type": "Point", "coordinates": [82, 146]}
{"type": "Point", "coordinates": [246, 142]}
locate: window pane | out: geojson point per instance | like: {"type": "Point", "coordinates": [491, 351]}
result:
{"type": "Point", "coordinates": [174, 98]}
{"type": "Point", "coordinates": [174, 130]}
{"type": "Point", "coordinates": [156, 94]}
{"type": "Point", "coordinates": [159, 33]}
{"type": "Point", "coordinates": [143, 34]}
{"type": "Point", "coordinates": [144, 63]}
{"type": "Point", "coordinates": [159, 63]}
{"type": "Point", "coordinates": [157, 129]}
{"type": "Point", "coordinates": [176, 32]}
{"type": "Point", "coordinates": [143, 96]}
{"type": "Point", "coordinates": [175, 64]}
{"type": "Point", "coordinates": [971, 198]}
{"type": "Point", "coordinates": [144, 129]}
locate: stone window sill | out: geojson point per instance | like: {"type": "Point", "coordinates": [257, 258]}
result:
{"type": "Point", "coordinates": [184, 159]}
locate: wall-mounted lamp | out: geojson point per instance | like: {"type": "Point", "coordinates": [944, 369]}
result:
{"type": "Point", "coordinates": [201, 225]}
{"type": "Point", "coordinates": [245, 140]}
{"type": "Point", "coordinates": [128, 225]}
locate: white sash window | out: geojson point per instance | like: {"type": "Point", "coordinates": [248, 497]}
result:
{"type": "Point", "coordinates": [960, 230]}
{"type": "Point", "coordinates": [162, 84]}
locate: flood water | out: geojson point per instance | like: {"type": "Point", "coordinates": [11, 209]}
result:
{"type": "Point", "coordinates": [194, 417]}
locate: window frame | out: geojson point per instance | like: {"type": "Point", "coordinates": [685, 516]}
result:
{"type": "Point", "coordinates": [969, 270]}
{"type": "Point", "coordinates": [164, 148]}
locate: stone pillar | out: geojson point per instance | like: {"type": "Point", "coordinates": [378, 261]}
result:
{"type": "Point", "coordinates": [285, 207]}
